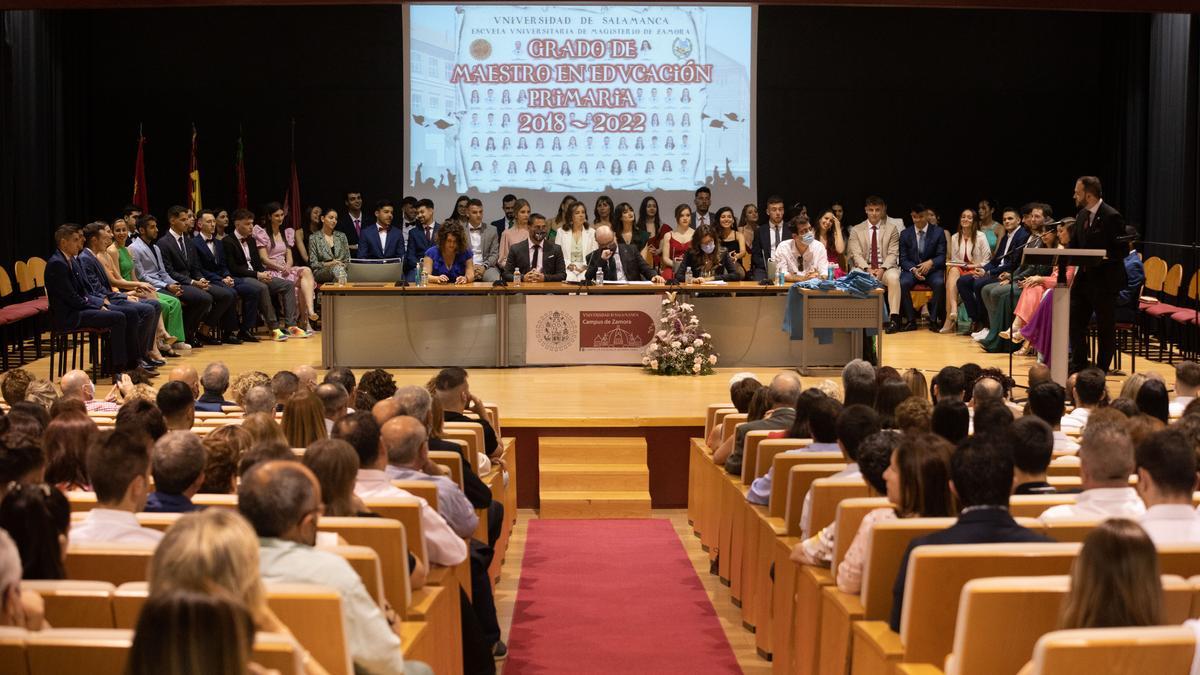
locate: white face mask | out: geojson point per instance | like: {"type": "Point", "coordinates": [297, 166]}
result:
{"type": "Point", "coordinates": [808, 238]}
{"type": "Point", "coordinates": [708, 248]}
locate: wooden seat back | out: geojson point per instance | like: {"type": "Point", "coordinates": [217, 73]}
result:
{"type": "Point", "coordinates": [388, 539]}
{"type": "Point", "coordinates": [828, 493]}
{"type": "Point", "coordinates": [407, 510]}
{"type": "Point", "coordinates": [730, 423]}
{"type": "Point", "coordinates": [719, 419]}
{"type": "Point", "coordinates": [770, 448]}
{"type": "Point", "coordinates": [71, 603]}
{"type": "Point", "coordinates": [710, 415]}
{"type": "Point", "coordinates": [750, 454]}
{"type": "Point", "coordinates": [1115, 651]}
{"type": "Point", "coordinates": [450, 460]}
{"type": "Point", "coordinates": [1066, 481]}
{"type": "Point", "coordinates": [782, 464]}
{"type": "Point", "coordinates": [81, 500]}
{"type": "Point", "coordinates": [21, 272]}
{"type": "Point", "coordinates": [101, 651]}
{"type": "Point", "coordinates": [114, 563]}
{"type": "Point", "coordinates": [314, 615]}
{"type": "Point", "coordinates": [36, 266]}
{"type": "Point", "coordinates": [210, 501]}
{"type": "Point", "coordinates": [12, 644]}
{"type": "Point", "coordinates": [365, 562]}
{"type": "Point", "coordinates": [937, 574]}
{"type": "Point", "coordinates": [850, 514]}
{"type": "Point", "coordinates": [276, 651]}
{"type": "Point", "coordinates": [1056, 470]}
{"type": "Point", "coordinates": [472, 433]}
{"type": "Point", "coordinates": [1069, 530]}
{"type": "Point", "coordinates": [6, 289]}
{"type": "Point", "coordinates": [1173, 281]}
{"type": "Point", "coordinates": [1181, 559]}
{"type": "Point", "coordinates": [1032, 506]}
{"type": "Point", "coordinates": [799, 479]}
{"type": "Point", "coordinates": [424, 489]}
{"type": "Point", "coordinates": [1156, 273]}
{"type": "Point", "coordinates": [889, 540]}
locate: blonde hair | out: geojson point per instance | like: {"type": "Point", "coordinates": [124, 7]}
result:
{"type": "Point", "coordinates": [303, 419]}
{"type": "Point", "coordinates": [1115, 580]}
{"type": "Point", "coordinates": [41, 392]}
{"type": "Point", "coordinates": [263, 428]}
{"type": "Point", "coordinates": [916, 382]}
{"type": "Point", "coordinates": [831, 389]}
{"type": "Point", "coordinates": [244, 382]}
{"type": "Point", "coordinates": [214, 547]}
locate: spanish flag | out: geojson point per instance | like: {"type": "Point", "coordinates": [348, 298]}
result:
{"type": "Point", "coordinates": [193, 186]}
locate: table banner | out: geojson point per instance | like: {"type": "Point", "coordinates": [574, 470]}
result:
{"type": "Point", "coordinates": [583, 329]}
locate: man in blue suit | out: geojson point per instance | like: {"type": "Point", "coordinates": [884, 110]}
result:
{"type": "Point", "coordinates": [922, 261]}
{"type": "Point", "coordinates": [1005, 258]}
{"type": "Point", "coordinates": [420, 239]}
{"type": "Point", "coordinates": [210, 253]}
{"type": "Point", "coordinates": [72, 307]}
{"type": "Point", "coordinates": [381, 241]}
{"type": "Point", "coordinates": [141, 318]}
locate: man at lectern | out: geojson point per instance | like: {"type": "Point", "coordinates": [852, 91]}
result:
{"type": "Point", "coordinates": [1096, 288]}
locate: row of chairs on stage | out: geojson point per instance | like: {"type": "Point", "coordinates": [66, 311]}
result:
{"type": "Point", "coordinates": [980, 609]}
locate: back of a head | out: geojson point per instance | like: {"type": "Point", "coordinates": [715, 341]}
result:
{"type": "Point", "coordinates": [375, 386]}
{"type": "Point", "coordinates": [449, 379]}
{"type": "Point", "coordinates": [274, 496]}
{"type": "Point", "coordinates": [1187, 378]}
{"type": "Point", "coordinates": [784, 390]}
{"type": "Point", "coordinates": [334, 399]}
{"type": "Point", "coordinates": [385, 410]}
{"type": "Point", "coordinates": [262, 427]}
{"type": "Point", "coordinates": [875, 456]}
{"type": "Point", "coordinates": [1048, 401]}
{"type": "Point", "coordinates": [37, 516]}
{"type": "Point", "coordinates": [987, 391]}
{"type": "Point", "coordinates": [265, 451]}
{"type": "Point", "coordinates": [223, 450]}
{"type": "Point", "coordinates": [341, 375]}
{"type": "Point", "coordinates": [41, 392]}
{"type": "Point", "coordinates": [1115, 579]}
{"type": "Point", "coordinates": [855, 423]}
{"type": "Point", "coordinates": [246, 381]}
{"type": "Point", "coordinates": [361, 431]}
{"type": "Point", "coordinates": [141, 416]}
{"type": "Point", "coordinates": [175, 401]}
{"type": "Point", "coordinates": [402, 438]}
{"type": "Point", "coordinates": [913, 415]}
{"type": "Point", "coordinates": [1126, 406]}
{"type": "Point", "coordinates": [215, 379]}
{"type": "Point", "coordinates": [284, 384]}
{"type": "Point", "coordinates": [992, 419]}
{"type": "Point", "coordinates": [15, 384]}
{"type": "Point", "coordinates": [214, 547]}
{"type": "Point", "coordinates": [1153, 400]}
{"type": "Point", "coordinates": [758, 405]}
{"type": "Point", "coordinates": [916, 382]}
{"type": "Point", "coordinates": [177, 460]}
{"type": "Point", "coordinates": [858, 381]}
{"type": "Point", "coordinates": [303, 419]}
{"type": "Point", "coordinates": [335, 464]}
{"type": "Point", "coordinates": [982, 471]}
{"type": "Point", "coordinates": [33, 412]}
{"type": "Point", "coordinates": [1106, 453]}
{"type": "Point", "coordinates": [413, 401]}
{"type": "Point", "coordinates": [823, 418]}
{"type": "Point", "coordinates": [65, 407]}
{"type": "Point", "coordinates": [1089, 387]}
{"type": "Point", "coordinates": [924, 464]}
{"type": "Point", "coordinates": [949, 384]}
{"type": "Point", "coordinates": [258, 400]}
{"type": "Point", "coordinates": [1032, 444]}
{"type": "Point", "coordinates": [1170, 460]}
{"type": "Point", "coordinates": [742, 391]}
{"type": "Point", "coordinates": [1039, 373]}
{"type": "Point", "coordinates": [804, 408]}
{"type": "Point", "coordinates": [114, 461]}
{"type": "Point", "coordinates": [307, 375]}
{"type": "Point", "coordinates": [1141, 426]}
{"type": "Point", "coordinates": [890, 395]}
{"type": "Point", "coordinates": [191, 632]}
{"type": "Point", "coordinates": [21, 456]}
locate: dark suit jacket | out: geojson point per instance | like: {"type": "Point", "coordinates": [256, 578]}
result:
{"type": "Point", "coordinates": [346, 226]}
{"type": "Point", "coordinates": [211, 403]}
{"type": "Point", "coordinates": [935, 248]}
{"type": "Point", "coordinates": [996, 266]}
{"type": "Point", "coordinates": [761, 251]}
{"type": "Point", "coordinates": [477, 492]}
{"type": "Point", "coordinates": [635, 266]}
{"type": "Point", "coordinates": [369, 247]}
{"type": "Point", "coordinates": [781, 419]}
{"type": "Point", "coordinates": [500, 225]}
{"type": "Point", "coordinates": [490, 442]}
{"type": "Point", "coordinates": [553, 265]}
{"type": "Point", "coordinates": [985, 526]}
{"type": "Point", "coordinates": [182, 269]}
{"type": "Point", "coordinates": [95, 277]}
{"type": "Point", "coordinates": [236, 261]}
{"type": "Point", "coordinates": [67, 292]}
{"type": "Point", "coordinates": [212, 266]}
{"type": "Point", "coordinates": [730, 270]}
{"type": "Point", "coordinates": [416, 246]}
{"type": "Point", "coordinates": [1109, 276]}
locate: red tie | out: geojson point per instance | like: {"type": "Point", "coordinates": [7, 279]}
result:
{"type": "Point", "coordinates": [874, 247]}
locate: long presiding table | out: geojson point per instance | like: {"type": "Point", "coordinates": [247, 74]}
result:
{"type": "Point", "coordinates": [380, 325]}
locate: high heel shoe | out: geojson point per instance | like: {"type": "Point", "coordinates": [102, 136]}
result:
{"type": "Point", "coordinates": [949, 328]}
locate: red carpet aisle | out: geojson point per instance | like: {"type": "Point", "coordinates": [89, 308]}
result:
{"type": "Point", "coordinates": [612, 596]}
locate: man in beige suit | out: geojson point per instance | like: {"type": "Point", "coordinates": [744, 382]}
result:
{"type": "Point", "coordinates": [875, 248]}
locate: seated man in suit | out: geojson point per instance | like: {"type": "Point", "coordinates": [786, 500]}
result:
{"type": "Point", "coordinates": [508, 203]}
{"type": "Point", "coordinates": [210, 252]}
{"type": "Point", "coordinates": [382, 241]}
{"type": "Point", "coordinates": [72, 307]}
{"type": "Point", "coordinates": [782, 395]}
{"type": "Point", "coordinates": [1005, 259]}
{"type": "Point", "coordinates": [420, 239]}
{"type": "Point", "coordinates": [620, 261]}
{"type": "Point", "coordinates": [141, 316]}
{"type": "Point", "coordinates": [981, 477]}
{"type": "Point", "coordinates": [1135, 276]}
{"type": "Point", "coordinates": [484, 243]}
{"type": "Point", "coordinates": [245, 264]}
{"type": "Point", "coordinates": [215, 382]}
{"type": "Point", "coordinates": [148, 261]}
{"type": "Point", "coordinates": [209, 303]}
{"type": "Point", "coordinates": [770, 235]}
{"type": "Point", "coordinates": [922, 260]}
{"type": "Point", "coordinates": [177, 464]}
{"type": "Point", "coordinates": [352, 220]}
{"type": "Point", "coordinates": [535, 258]}
{"type": "Point", "coordinates": [874, 247]}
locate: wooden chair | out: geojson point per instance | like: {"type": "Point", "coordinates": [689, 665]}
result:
{"type": "Point", "coordinates": [1115, 651]}
{"type": "Point", "coordinates": [36, 268]}
{"type": "Point", "coordinates": [452, 461]}
{"type": "Point", "coordinates": [388, 539]}
{"type": "Point", "coordinates": [365, 562]}
{"type": "Point", "coordinates": [782, 464]}
{"type": "Point", "coordinates": [750, 454]}
{"type": "Point", "coordinates": [472, 433]}
{"type": "Point", "coordinates": [210, 501]}
{"type": "Point", "coordinates": [75, 604]}
{"type": "Point", "coordinates": [828, 493]}
{"type": "Point", "coordinates": [1032, 506]}
{"type": "Point", "coordinates": [1180, 559]}
{"type": "Point", "coordinates": [12, 648]}
{"type": "Point", "coordinates": [800, 478]}
{"type": "Point", "coordinates": [1069, 530]}
{"type": "Point", "coordinates": [420, 488]}
{"type": "Point", "coordinates": [102, 651]}
{"type": "Point", "coordinates": [114, 563]}
{"type": "Point", "coordinates": [770, 448]}
{"type": "Point", "coordinates": [936, 576]}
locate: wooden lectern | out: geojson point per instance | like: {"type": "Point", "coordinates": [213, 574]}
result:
{"type": "Point", "coordinates": [1061, 310]}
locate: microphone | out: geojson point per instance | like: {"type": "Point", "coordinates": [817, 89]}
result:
{"type": "Point", "coordinates": [499, 283]}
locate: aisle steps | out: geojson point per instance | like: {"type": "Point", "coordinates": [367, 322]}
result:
{"type": "Point", "coordinates": [594, 478]}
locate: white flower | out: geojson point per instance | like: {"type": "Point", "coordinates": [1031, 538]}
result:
{"type": "Point", "coordinates": [713, 359]}
{"type": "Point", "coordinates": [697, 359]}
{"type": "Point", "coordinates": [696, 368]}
{"type": "Point", "coordinates": [666, 302]}
{"type": "Point", "coordinates": [705, 336]}
{"type": "Point", "coordinates": [689, 350]}
{"type": "Point", "coordinates": [654, 364]}
{"type": "Point", "coordinates": [694, 320]}
{"type": "Point", "coordinates": [654, 347]}
{"type": "Point", "coordinates": [661, 334]}
{"type": "Point", "coordinates": [645, 360]}
{"type": "Point", "coordinates": [675, 344]}
{"type": "Point", "coordinates": [686, 307]}
{"type": "Point", "coordinates": [663, 320]}
{"type": "Point", "coordinates": [698, 342]}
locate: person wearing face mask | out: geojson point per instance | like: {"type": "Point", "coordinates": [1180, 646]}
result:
{"type": "Point", "coordinates": [706, 260]}
{"type": "Point", "coordinates": [802, 257]}
{"type": "Point", "coordinates": [535, 258]}
{"type": "Point", "coordinates": [620, 261]}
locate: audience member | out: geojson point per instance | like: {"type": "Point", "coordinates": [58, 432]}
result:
{"type": "Point", "coordinates": [915, 380]}
{"type": "Point", "coordinates": [284, 384]}
{"type": "Point", "coordinates": [307, 375]}
{"type": "Point", "coordinates": [78, 386]}
{"type": "Point", "coordinates": [215, 382]}
{"type": "Point", "coordinates": [417, 402]}
{"type": "Point", "coordinates": [38, 518]}
{"type": "Point", "coordinates": [759, 405]}
{"type": "Point", "coordinates": [1141, 426]}
{"type": "Point", "coordinates": [17, 608]}
{"type": "Point", "coordinates": [1132, 384]}
{"type": "Point", "coordinates": [1046, 401]}
{"type": "Point", "coordinates": [858, 381]}
{"type": "Point", "coordinates": [335, 464]}
{"type": "Point", "coordinates": [16, 381]}
{"type": "Point", "coordinates": [1187, 383]}
{"type": "Point", "coordinates": [914, 415]}
{"type": "Point", "coordinates": [32, 413]}
{"type": "Point", "coordinates": [65, 443]}
{"type": "Point", "coordinates": [187, 375]}
{"type": "Point", "coordinates": [1090, 392]}
{"type": "Point", "coordinates": [120, 471]}
{"type": "Point", "coordinates": [1039, 373]}
{"type": "Point", "coordinates": [1166, 471]}
{"type": "Point", "coordinates": [986, 391]}
{"type": "Point", "coordinates": [262, 428]}
{"type": "Point", "coordinates": [1105, 463]}
{"type": "Point", "coordinates": [303, 419]}
{"type": "Point", "coordinates": [1152, 400]}
{"type": "Point", "coordinates": [981, 476]}
{"type": "Point", "coordinates": [207, 630]}
{"type": "Point", "coordinates": [949, 384]}
{"type": "Point", "coordinates": [247, 380]}
{"type": "Point", "coordinates": [72, 407]}
{"type": "Point", "coordinates": [21, 457]}
{"type": "Point", "coordinates": [822, 415]}
{"type": "Point", "coordinates": [454, 391]}
{"type": "Point", "coordinates": [1115, 579]}
{"type": "Point", "coordinates": [781, 395]}
{"type": "Point", "coordinates": [890, 394]}
{"type": "Point", "coordinates": [1125, 406]}
{"type": "Point", "coordinates": [140, 417]}
{"type": "Point", "coordinates": [177, 406]}
{"type": "Point", "coordinates": [177, 464]}
{"type": "Point", "coordinates": [375, 386]}
{"type": "Point", "coordinates": [345, 377]}
{"type": "Point", "coordinates": [42, 393]}
{"type": "Point", "coordinates": [1032, 445]}
{"type": "Point", "coordinates": [334, 401]}
{"type": "Point", "coordinates": [259, 399]}
{"type": "Point", "coordinates": [265, 451]}
{"type": "Point", "coordinates": [855, 423]}
{"type": "Point", "coordinates": [223, 450]}
{"type": "Point", "coordinates": [992, 419]}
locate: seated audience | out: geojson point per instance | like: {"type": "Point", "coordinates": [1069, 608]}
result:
{"type": "Point", "coordinates": [262, 428]}
{"type": "Point", "coordinates": [307, 375]}
{"type": "Point", "coordinates": [177, 406]}
{"type": "Point", "coordinates": [223, 450]}
{"type": "Point", "coordinates": [951, 420]}
{"type": "Point", "coordinates": [141, 417]}
{"type": "Point", "coordinates": [781, 400]}
{"type": "Point", "coordinates": [120, 471]}
{"type": "Point", "coordinates": [208, 630]}
{"type": "Point", "coordinates": [282, 501]}
{"type": "Point", "coordinates": [77, 385]}
{"type": "Point", "coordinates": [17, 381]}
{"type": "Point", "coordinates": [1090, 392]}
{"type": "Point", "coordinates": [917, 483]}
{"type": "Point", "coordinates": [1166, 471]}
{"type": "Point", "coordinates": [992, 418]}
{"type": "Point", "coordinates": [1046, 401]}
{"type": "Point", "coordinates": [360, 431]}
{"type": "Point", "coordinates": [187, 375]}
{"type": "Point", "coordinates": [303, 419]}
{"type": "Point", "coordinates": [375, 386]}
{"type": "Point", "coordinates": [914, 415]}
{"type": "Point", "coordinates": [405, 442]}
{"type": "Point", "coordinates": [821, 418]}
{"type": "Point", "coordinates": [245, 381]}
{"type": "Point", "coordinates": [215, 382]}
{"type": "Point", "coordinates": [345, 377]}
{"type": "Point", "coordinates": [1115, 580]}
{"type": "Point", "coordinates": [454, 391]}
{"type": "Point", "coordinates": [21, 457]}
{"type": "Point", "coordinates": [266, 451]}
{"type": "Point", "coordinates": [858, 382]}
{"type": "Point", "coordinates": [949, 384]}
{"type": "Point", "coordinates": [284, 384]}
{"type": "Point", "coordinates": [1039, 373]}
{"type": "Point", "coordinates": [1105, 463]}
{"type": "Point", "coordinates": [855, 423]}
{"type": "Point", "coordinates": [259, 399]}
{"type": "Point", "coordinates": [890, 394]}
{"type": "Point", "coordinates": [981, 476]}
{"type": "Point", "coordinates": [1152, 400]}
{"type": "Point", "coordinates": [42, 393]}
{"type": "Point", "coordinates": [417, 402]}
{"type": "Point", "coordinates": [1033, 445]}
{"type": "Point", "coordinates": [38, 518]}
{"type": "Point", "coordinates": [334, 402]}
{"type": "Point", "coordinates": [177, 464]}
{"type": "Point", "coordinates": [1126, 406]}
{"type": "Point", "coordinates": [1187, 383]}
{"type": "Point", "coordinates": [986, 391]}
{"type": "Point", "coordinates": [1131, 385]}
{"type": "Point", "coordinates": [65, 443]}
{"type": "Point", "coordinates": [915, 380]}
{"type": "Point", "coordinates": [335, 464]}
{"type": "Point", "coordinates": [21, 609]}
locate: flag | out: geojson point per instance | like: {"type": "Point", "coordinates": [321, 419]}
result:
{"type": "Point", "coordinates": [193, 183]}
{"type": "Point", "coordinates": [240, 171]}
{"type": "Point", "coordinates": [291, 200]}
{"type": "Point", "coordinates": [140, 199]}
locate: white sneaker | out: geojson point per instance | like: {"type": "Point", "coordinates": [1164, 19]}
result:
{"type": "Point", "coordinates": [980, 334]}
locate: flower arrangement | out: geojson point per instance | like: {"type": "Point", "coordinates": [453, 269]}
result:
{"type": "Point", "coordinates": [680, 346]}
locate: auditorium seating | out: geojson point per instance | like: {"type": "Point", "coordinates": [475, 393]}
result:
{"type": "Point", "coordinates": [1115, 651]}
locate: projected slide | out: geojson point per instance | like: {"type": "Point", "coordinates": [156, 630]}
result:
{"type": "Point", "coordinates": [580, 98]}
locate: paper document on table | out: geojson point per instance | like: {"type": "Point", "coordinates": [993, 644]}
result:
{"type": "Point", "coordinates": [628, 283]}
{"type": "Point", "coordinates": [715, 282]}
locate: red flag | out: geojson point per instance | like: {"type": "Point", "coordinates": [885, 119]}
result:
{"type": "Point", "coordinates": [291, 200]}
{"type": "Point", "coordinates": [193, 182]}
{"type": "Point", "coordinates": [240, 169]}
{"type": "Point", "coordinates": [140, 199]}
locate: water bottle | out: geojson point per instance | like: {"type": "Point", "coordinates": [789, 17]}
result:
{"type": "Point", "coordinates": [779, 276]}
{"type": "Point", "coordinates": [517, 278]}
{"type": "Point", "coordinates": [422, 278]}
{"type": "Point", "coordinates": [340, 273]}
{"type": "Point", "coordinates": [687, 274]}
{"type": "Point", "coordinates": [599, 276]}
{"type": "Point", "coordinates": [831, 271]}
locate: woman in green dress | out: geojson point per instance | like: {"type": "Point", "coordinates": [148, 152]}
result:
{"type": "Point", "coordinates": [328, 249]}
{"type": "Point", "coordinates": [172, 311]}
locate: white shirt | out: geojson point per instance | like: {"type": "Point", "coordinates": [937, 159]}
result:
{"type": "Point", "coordinates": [1099, 504]}
{"type": "Point", "coordinates": [245, 242]}
{"type": "Point", "coordinates": [372, 644]}
{"type": "Point", "coordinates": [453, 505]}
{"type": "Point", "coordinates": [443, 545]}
{"type": "Point", "coordinates": [112, 526]}
{"type": "Point", "coordinates": [383, 235]}
{"type": "Point", "coordinates": [1172, 524]}
{"type": "Point", "coordinates": [1076, 419]}
{"type": "Point", "coordinates": [776, 235]}
{"type": "Point", "coordinates": [760, 489]}
{"type": "Point", "coordinates": [813, 260]}
{"type": "Point", "coordinates": [1178, 404]}
{"type": "Point", "coordinates": [476, 237]}
{"type": "Point", "coordinates": [1064, 444]}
